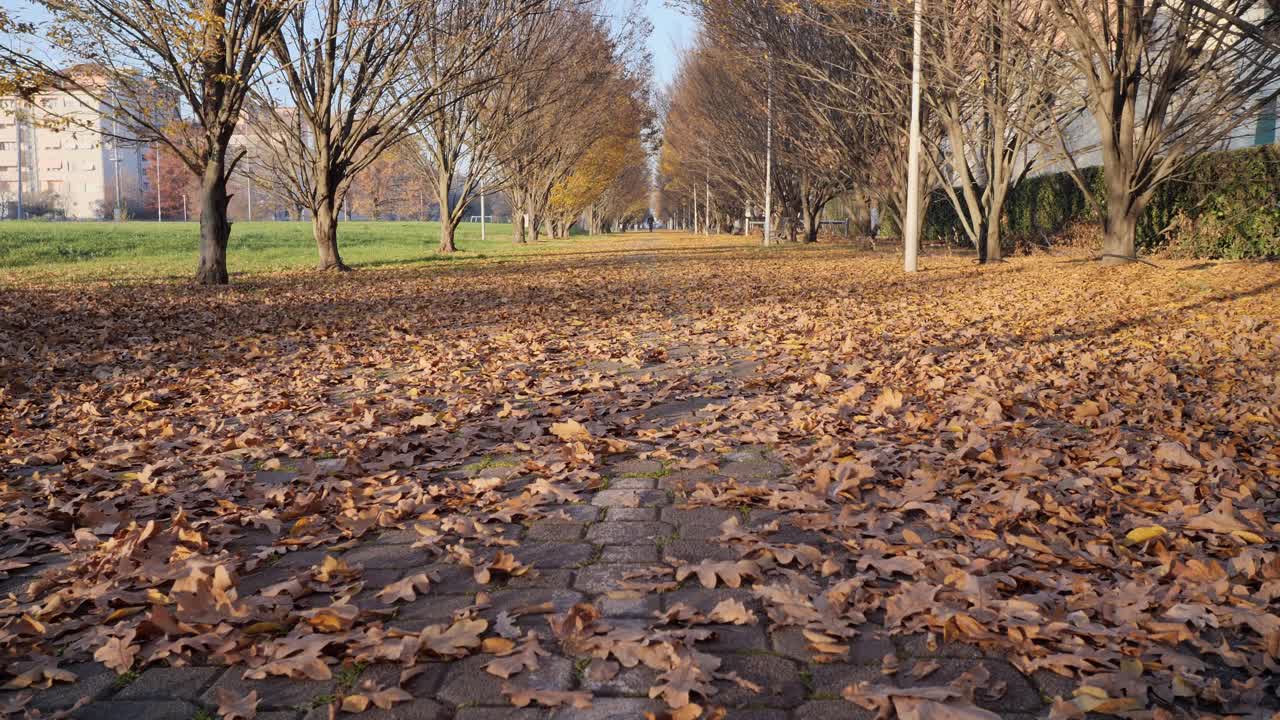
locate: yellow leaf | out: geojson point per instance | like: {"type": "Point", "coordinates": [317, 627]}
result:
{"type": "Point", "coordinates": [1251, 538]}
{"type": "Point", "coordinates": [497, 645]}
{"type": "Point", "coordinates": [1143, 534]}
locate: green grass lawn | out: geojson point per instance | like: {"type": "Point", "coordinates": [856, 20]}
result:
{"type": "Point", "coordinates": [60, 251]}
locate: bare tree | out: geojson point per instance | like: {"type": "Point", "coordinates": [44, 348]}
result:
{"type": "Point", "coordinates": [601, 62]}
{"type": "Point", "coordinates": [145, 63]}
{"type": "Point", "coordinates": [990, 86]}
{"type": "Point", "coordinates": [347, 66]}
{"type": "Point", "coordinates": [1163, 81]}
{"type": "Point", "coordinates": [458, 137]}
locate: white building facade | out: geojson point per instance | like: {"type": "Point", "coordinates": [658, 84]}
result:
{"type": "Point", "coordinates": [62, 154]}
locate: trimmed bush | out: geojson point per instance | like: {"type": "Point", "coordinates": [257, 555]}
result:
{"type": "Point", "coordinates": [1222, 205]}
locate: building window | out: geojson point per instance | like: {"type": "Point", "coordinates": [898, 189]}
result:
{"type": "Point", "coordinates": [1264, 132]}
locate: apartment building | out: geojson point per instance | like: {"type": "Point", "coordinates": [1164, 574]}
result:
{"type": "Point", "coordinates": [62, 152]}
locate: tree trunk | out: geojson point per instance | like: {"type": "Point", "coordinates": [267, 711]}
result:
{"type": "Point", "coordinates": [518, 220]}
{"type": "Point", "coordinates": [215, 226]}
{"type": "Point", "coordinates": [443, 182]}
{"type": "Point", "coordinates": [324, 224]}
{"type": "Point", "coordinates": [534, 226]}
{"type": "Point", "coordinates": [811, 224]}
{"type": "Point", "coordinates": [446, 235]}
{"type": "Point", "coordinates": [1119, 244]}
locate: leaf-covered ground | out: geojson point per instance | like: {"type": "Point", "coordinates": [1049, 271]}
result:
{"type": "Point", "coordinates": [652, 475]}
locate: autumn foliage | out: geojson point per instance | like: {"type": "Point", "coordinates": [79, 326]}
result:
{"type": "Point", "coordinates": [1077, 476]}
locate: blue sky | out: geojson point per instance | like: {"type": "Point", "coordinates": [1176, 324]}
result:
{"type": "Point", "coordinates": [672, 33]}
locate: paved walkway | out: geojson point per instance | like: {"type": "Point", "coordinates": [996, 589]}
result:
{"type": "Point", "coordinates": [618, 552]}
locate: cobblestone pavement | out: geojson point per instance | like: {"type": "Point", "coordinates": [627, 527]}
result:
{"type": "Point", "coordinates": [638, 519]}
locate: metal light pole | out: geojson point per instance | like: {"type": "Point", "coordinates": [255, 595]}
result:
{"type": "Point", "coordinates": [768, 154]}
{"type": "Point", "coordinates": [115, 152]}
{"type": "Point", "coordinates": [18, 126]}
{"type": "Point", "coordinates": [482, 235]}
{"type": "Point", "coordinates": [706, 225]}
{"type": "Point", "coordinates": [159, 211]}
{"type": "Point", "coordinates": [695, 212]}
{"type": "Point", "coordinates": [184, 207]}
{"type": "Point", "coordinates": [911, 231]}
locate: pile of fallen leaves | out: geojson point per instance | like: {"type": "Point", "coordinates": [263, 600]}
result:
{"type": "Point", "coordinates": [1075, 466]}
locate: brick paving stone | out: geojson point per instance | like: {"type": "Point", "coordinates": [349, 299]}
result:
{"type": "Point", "coordinates": [686, 479]}
{"type": "Point", "coordinates": [509, 600]}
{"type": "Point", "coordinates": [734, 638]}
{"type": "Point", "coordinates": [634, 483]}
{"type": "Point", "coordinates": [757, 714]}
{"type": "Point", "coordinates": [630, 514]}
{"type": "Point", "coordinates": [136, 709]}
{"type": "Point", "coordinates": [1020, 695]}
{"type": "Point", "coordinates": [609, 709]}
{"type": "Point", "coordinates": [554, 555]}
{"type": "Point", "coordinates": [555, 531]}
{"type": "Point", "coordinates": [930, 645]}
{"type": "Point", "coordinates": [366, 599]}
{"type": "Point", "coordinates": [636, 467]}
{"type": "Point", "coordinates": [169, 683]}
{"type": "Point", "coordinates": [397, 537]}
{"type": "Point", "coordinates": [467, 683]}
{"type": "Point", "coordinates": [251, 540]}
{"type": "Point", "coordinates": [1052, 685]}
{"type": "Point", "coordinates": [752, 471]}
{"type": "Point", "coordinates": [422, 684]}
{"type": "Point", "coordinates": [541, 579]}
{"type": "Point", "coordinates": [430, 609]}
{"type": "Point", "coordinates": [300, 559]}
{"type": "Point", "coordinates": [702, 599]}
{"type": "Point", "coordinates": [868, 648]}
{"type": "Point", "coordinates": [253, 583]}
{"type": "Point", "coordinates": [634, 681]}
{"type": "Point", "coordinates": [697, 516]}
{"type": "Point", "coordinates": [629, 498]}
{"type": "Point", "coordinates": [629, 554]}
{"type": "Point", "coordinates": [832, 710]}
{"type": "Point", "coordinates": [778, 678]}
{"type": "Point", "coordinates": [93, 680]}
{"type": "Point", "coordinates": [579, 512]}
{"type": "Point", "coordinates": [450, 579]}
{"type": "Point", "coordinates": [507, 713]}
{"type": "Point", "coordinates": [676, 409]}
{"type": "Point", "coordinates": [273, 691]}
{"type": "Point", "coordinates": [412, 710]}
{"type": "Point", "coordinates": [615, 533]}
{"type": "Point", "coordinates": [638, 604]}
{"type": "Point", "coordinates": [603, 578]}
{"type": "Point", "coordinates": [829, 680]}
{"type": "Point", "coordinates": [697, 550]}
{"type": "Point", "coordinates": [378, 556]}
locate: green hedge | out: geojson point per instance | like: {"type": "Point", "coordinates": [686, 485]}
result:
{"type": "Point", "coordinates": [1222, 205]}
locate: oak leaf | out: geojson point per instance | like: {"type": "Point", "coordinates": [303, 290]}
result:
{"type": "Point", "coordinates": [454, 640]}
{"type": "Point", "coordinates": [233, 706]}
{"type": "Point", "coordinates": [730, 572]}
{"type": "Point", "coordinates": [523, 697]}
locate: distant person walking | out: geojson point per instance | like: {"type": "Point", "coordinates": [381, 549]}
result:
{"type": "Point", "coordinates": [649, 221]}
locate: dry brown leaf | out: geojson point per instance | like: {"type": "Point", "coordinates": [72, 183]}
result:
{"type": "Point", "coordinates": [523, 697]}
{"type": "Point", "coordinates": [233, 706]}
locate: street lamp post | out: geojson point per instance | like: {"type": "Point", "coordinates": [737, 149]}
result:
{"type": "Point", "coordinates": [159, 210]}
{"type": "Point", "coordinates": [911, 233]}
{"type": "Point", "coordinates": [18, 126]}
{"type": "Point", "coordinates": [768, 155]}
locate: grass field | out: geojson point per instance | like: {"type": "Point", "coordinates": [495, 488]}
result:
{"type": "Point", "coordinates": [45, 251]}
